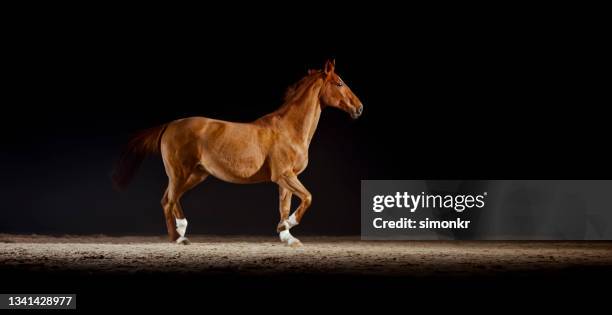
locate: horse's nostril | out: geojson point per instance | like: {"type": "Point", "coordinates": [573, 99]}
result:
{"type": "Point", "coordinates": [360, 110]}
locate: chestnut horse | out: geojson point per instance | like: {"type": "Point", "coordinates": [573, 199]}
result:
{"type": "Point", "coordinates": [271, 148]}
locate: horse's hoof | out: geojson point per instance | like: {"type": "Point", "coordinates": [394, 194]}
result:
{"type": "Point", "coordinates": [183, 241]}
{"type": "Point", "coordinates": [295, 243]}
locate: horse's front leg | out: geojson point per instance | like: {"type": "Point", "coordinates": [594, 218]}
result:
{"type": "Point", "coordinates": [284, 207]}
{"type": "Point", "coordinates": [290, 182]}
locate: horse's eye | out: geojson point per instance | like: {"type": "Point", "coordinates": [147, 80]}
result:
{"type": "Point", "coordinates": [339, 84]}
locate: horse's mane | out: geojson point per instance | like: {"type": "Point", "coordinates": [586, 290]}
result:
{"type": "Point", "coordinates": [297, 88]}
{"type": "Point", "coordinates": [293, 93]}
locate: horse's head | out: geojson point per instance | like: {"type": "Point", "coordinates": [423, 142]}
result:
{"type": "Point", "coordinates": [336, 93]}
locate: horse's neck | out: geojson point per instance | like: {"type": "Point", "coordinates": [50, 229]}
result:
{"type": "Point", "coordinates": [302, 116]}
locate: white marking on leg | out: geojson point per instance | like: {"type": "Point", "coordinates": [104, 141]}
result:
{"type": "Point", "coordinates": [292, 221]}
{"type": "Point", "coordinates": [181, 227]}
{"type": "Point", "coordinates": [286, 237]}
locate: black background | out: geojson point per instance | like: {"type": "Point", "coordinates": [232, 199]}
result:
{"type": "Point", "coordinates": [469, 92]}
{"type": "Point", "coordinates": [445, 96]}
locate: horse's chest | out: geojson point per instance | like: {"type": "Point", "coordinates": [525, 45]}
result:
{"type": "Point", "coordinates": [300, 163]}
{"type": "Point", "coordinates": [289, 154]}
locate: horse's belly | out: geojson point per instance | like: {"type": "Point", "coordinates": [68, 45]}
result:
{"type": "Point", "coordinates": [234, 168]}
{"type": "Point", "coordinates": [235, 152]}
{"type": "Point", "coordinates": [236, 163]}
{"type": "Point", "coordinates": [261, 175]}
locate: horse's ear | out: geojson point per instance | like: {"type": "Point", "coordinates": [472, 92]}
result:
{"type": "Point", "coordinates": [329, 68]}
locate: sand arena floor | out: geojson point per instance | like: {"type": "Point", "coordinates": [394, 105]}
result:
{"type": "Point", "coordinates": [320, 255]}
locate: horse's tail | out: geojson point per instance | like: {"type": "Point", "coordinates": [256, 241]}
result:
{"type": "Point", "coordinates": [142, 144]}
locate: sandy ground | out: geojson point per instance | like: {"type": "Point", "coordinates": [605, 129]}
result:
{"type": "Point", "coordinates": [320, 255]}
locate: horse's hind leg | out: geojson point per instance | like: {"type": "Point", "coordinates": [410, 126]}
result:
{"type": "Point", "coordinates": [172, 205]}
{"type": "Point", "coordinates": [172, 233]}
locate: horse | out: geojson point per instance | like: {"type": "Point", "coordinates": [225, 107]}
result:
{"type": "Point", "coordinates": [273, 148]}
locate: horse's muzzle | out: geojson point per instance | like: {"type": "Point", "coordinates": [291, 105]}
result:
{"type": "Point", "coordinates": [357, 112]}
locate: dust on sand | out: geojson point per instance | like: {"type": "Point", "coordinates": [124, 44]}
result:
{"type": "Point", "coordinates": [320, 255]}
